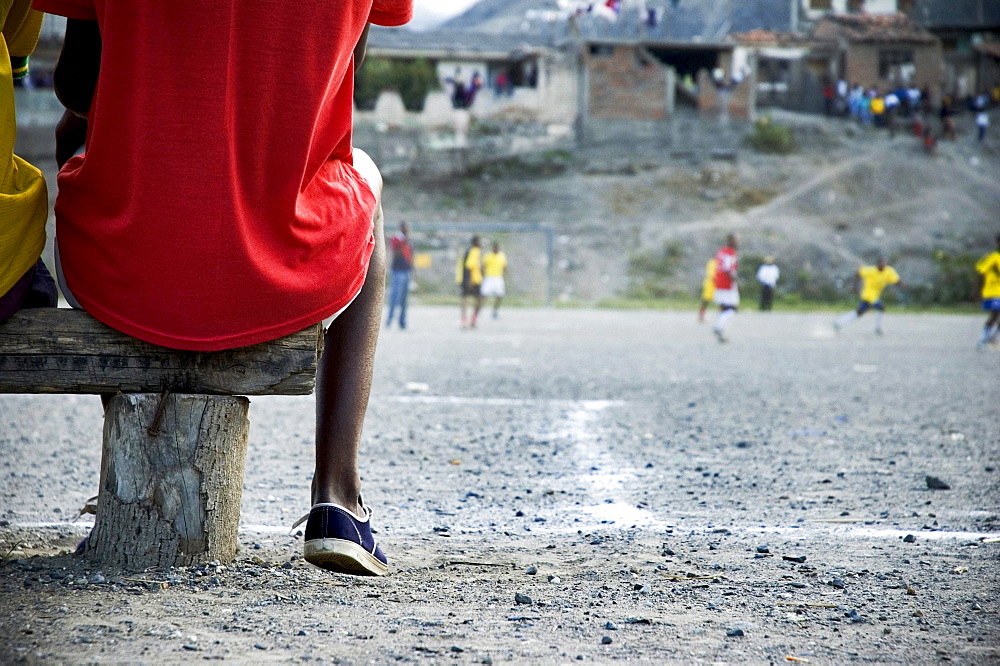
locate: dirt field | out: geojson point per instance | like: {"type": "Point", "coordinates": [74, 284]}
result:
{"type": "Point", "coordinates": [640, 484]}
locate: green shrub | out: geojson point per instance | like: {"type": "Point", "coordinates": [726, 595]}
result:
{"type": "Point", "coordinates": [650, 272]}
{"type": "Point", "coordinates": [413, 79]}
{"type": "Point", "coordinates": [770, 137]}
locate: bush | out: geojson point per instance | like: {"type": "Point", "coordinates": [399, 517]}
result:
{"type": "Point", "coordinates": [769, 137]}
{"type": "Point", "coordinates": [413, 79]}
{"type": "Point", "coordinates": [649, 272]}
{"type": "Point", "coordinates": [955, 281]}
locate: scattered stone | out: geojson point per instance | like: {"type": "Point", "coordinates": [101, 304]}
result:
{"type": "Point", "coordinates": [909, 538]}
{"type": "Point", "coordinates": [456, 649]}
{"type": "Point", "coordinates": [935, 483]}
{"type": "Point", "coordinates": [532, 570]}
{"type": "Point", "coordinates": [301, 632]}
{"type": "Point", "coordinates": [838, 583]}
{"type": "Point", "coordinates": [734, 633]}
{"type": "Point", "coordinates": [638, 620]}
{"type": "Point", "coordinates": [555, 579]}
{"type": "Point", "coordinates": [606, 640]}
{"type": "Point", "coordinates": [258, 646]}
{"type": "Point", "coordinates": [98, 579]}
{"type": "Point", "coordinates": [911, 592]}
{"type": "Point", "coordinates": [667, 552]}
{"type": "Point", "coordinates": [287, 565]}
{"type": "Point", "coordinates": [763, 549]}
{"type": "Point", "coordinates": [854, 616]}
{"type": "Point", "coordinates": [798, 559]}
{"type": "Point", "coordinates": [522, 599]}
{"type": "Point", "coordinates": [610, 626]}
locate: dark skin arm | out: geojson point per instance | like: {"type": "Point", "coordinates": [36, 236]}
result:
{"type": "Point", "coordinates": [75, 80]}
{"type": "Point", "coordinates": [361, 47]}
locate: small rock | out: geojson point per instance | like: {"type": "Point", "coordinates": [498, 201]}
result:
{"type": "Point", "coordinates": [98, 579]}
{"type": "Point", "coordinates": [763, 549]}
{"type": "Point", "coordinates": [456, 649]}
{"type": "Point", "coordinates": [935, 483]}
{"type": "Point", "coordinates": [799, 559]}
{"type": "Point", "coordinates": [532, 570]}
{"type": "Point", "coordinates": [522, 599]}
{"type": "Point", "coordinates": [555, 579]}
{"type": "Point", "coordinates": [667, 552]}
{"type": "Point", "coordinates": [287, 565]}
{"type": "Point", "coordinates": [911, 592]}
{"type": "Point", "coordinates": [606, 640]}
{"type": "Point", "coordinates": [735, 632]}
{"type": "Point", "coordinates": [838, 583]}
{"type": "Point", "coordinates": [854, 616]}
{"type": "Point", "coordinates": [301, 632]}
{"type": "Point", "coordinates": [258, 646]}
{"type": "Point", "coordinates": [610, 626]}
{"type": "Point", "coordinates": [909, 538]}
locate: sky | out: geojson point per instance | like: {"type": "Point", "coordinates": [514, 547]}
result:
{"type": "Point", "coordinates": [431, 12]}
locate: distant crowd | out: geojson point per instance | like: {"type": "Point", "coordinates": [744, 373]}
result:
{"type": "Point", "coordinates": [874, 107]}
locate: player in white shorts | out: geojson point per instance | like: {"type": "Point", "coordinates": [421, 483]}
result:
{"type": "Point", "coordinates": [494, 270]}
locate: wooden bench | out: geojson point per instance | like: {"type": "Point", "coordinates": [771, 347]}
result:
{"type": "Point", "coordinates": [175, 434]}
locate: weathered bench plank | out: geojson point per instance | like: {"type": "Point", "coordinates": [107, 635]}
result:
{"type": "Point", "coordinates": [49, 350]}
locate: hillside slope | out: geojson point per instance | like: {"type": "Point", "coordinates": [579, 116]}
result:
{"type": "Point", "coordinates": [845, 196]}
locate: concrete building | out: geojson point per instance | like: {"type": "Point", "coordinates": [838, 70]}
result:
{"type": "Point", "coordinates": [881, 51]}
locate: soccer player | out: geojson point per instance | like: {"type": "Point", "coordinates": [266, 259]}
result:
{"type": "Point", "coordinates": [494, 271]}
{"type": "Point", "coordinates": [707, 289]}
{"type": "Point", "coordinates": [727, 289]}
{"type": "Point", "coordinates": [469, 278]}
{"type": "Point", "coordinates": [988, 274]}
{"type": "Point", "coordinates": [873, 281]}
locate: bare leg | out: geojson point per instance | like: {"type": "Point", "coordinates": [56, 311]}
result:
{"type": "Point", "coordinates": [344, 378]}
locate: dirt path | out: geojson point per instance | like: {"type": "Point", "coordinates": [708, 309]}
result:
{"type": "Point", "coordinates": [643, 485]}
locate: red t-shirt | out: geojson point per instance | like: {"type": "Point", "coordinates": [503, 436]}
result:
{"type": "Point", "coordinates": [217, 204]}
{"type": "Point", "coordinates": [725, 268]}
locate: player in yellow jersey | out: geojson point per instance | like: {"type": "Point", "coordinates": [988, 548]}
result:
{"type": "Point", "coordinates": [988, 274]}
{"type": "Point", "coordinates": [494, 272]}
{"type": "Point", "coordinates": [707, 289]}
{"type": "Point", "coordinates": [469, 278]}
{"type": "Point", "coordinates": [873, 281]}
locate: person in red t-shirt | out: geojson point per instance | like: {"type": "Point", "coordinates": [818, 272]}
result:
{"type": "Point", "coordinates": [219, 202]}
{"type": "Point", "coordinates": [401, 268]}
{"type": "Point", "coordinates": [727, 289]}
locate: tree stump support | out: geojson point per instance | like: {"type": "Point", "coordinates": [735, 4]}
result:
{"type": "Point", "coordinates": [170, 495]}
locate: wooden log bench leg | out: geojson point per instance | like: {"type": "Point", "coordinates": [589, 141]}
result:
{"type": "Point", "coordinates": [170, 498]}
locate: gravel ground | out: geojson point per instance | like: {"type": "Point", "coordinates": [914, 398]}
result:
{"type": "Point", "coordinates": [564, 485]}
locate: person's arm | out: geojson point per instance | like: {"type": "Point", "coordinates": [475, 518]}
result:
{"type": "Point", "coordinates": [75, 80]}
{"type": "Point", "coordinates": [361, 48]}
{"type": "Point", "coordinates": [75, 76]}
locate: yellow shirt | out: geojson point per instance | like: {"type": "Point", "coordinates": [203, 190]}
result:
{"type": "Point", "coordinates": [878, 105]}
{"type": "Point", "coordinates": [708, 284]}
{"type": "Point", "coordinates": [494, 264]}
{"type": "Point", "coordinates": [473, 263]}
{"type": "Point", "coordinates": [989, 268]}
{"type": "Point", "coordinates": [875, 281]}
{"type": "Point", "coordinates": [24, 201]}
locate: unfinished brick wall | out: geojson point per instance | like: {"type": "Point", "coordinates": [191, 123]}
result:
{"type": "Point", "coordinates": [626, 84]}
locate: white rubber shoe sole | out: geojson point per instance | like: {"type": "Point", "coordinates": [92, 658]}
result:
{"type": "Point", "coordinates": [343, 556]}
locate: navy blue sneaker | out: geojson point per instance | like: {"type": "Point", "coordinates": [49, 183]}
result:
{"type": "Point", "coordinates": [337, 540]}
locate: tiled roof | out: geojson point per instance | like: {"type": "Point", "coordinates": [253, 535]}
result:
{"type": "Point", "coordinates": [871, 28]}
{"type": "Point", "coordinates": [768, 38]}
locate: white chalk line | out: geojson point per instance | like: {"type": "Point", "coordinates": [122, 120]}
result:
{"type": "Point", "coordinates": [501, 402]}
